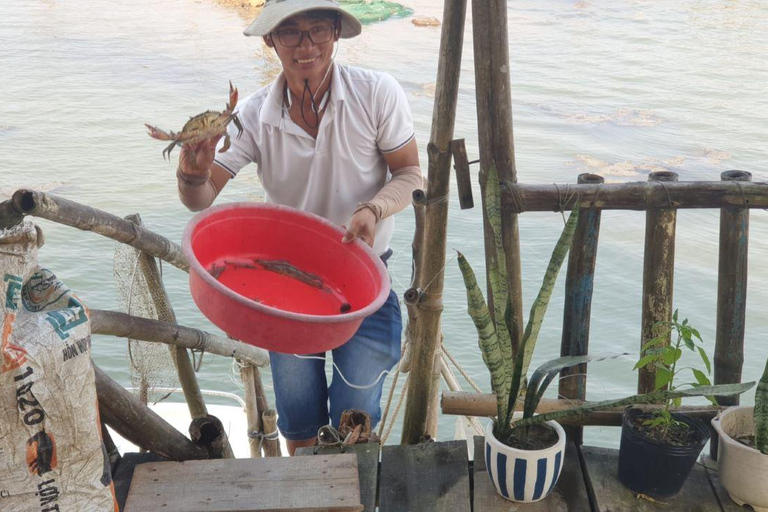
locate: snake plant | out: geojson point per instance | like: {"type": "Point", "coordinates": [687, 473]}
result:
{"type": "Point", "coordinates": [508, 369]}
{"type": "Point", "coordinates": [761, 413]}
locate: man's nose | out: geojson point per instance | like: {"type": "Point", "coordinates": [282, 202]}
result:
{"type": "Point", "coordinates": [305, 42]}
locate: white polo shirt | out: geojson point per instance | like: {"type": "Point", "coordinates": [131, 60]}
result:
{"type": "Point", "coordinates": [367, 115]}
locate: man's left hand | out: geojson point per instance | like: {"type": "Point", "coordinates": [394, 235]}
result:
{"type": "Point", "coordinates": [362, 226]}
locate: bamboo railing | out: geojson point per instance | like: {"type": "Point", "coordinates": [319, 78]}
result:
{"type": "Point", "coordinates": [662, 196]}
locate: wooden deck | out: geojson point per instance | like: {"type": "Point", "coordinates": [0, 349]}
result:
{"type": "Point", "coordinates": [426, 477]}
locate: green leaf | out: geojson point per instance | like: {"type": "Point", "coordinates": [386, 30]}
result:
{"type": "Point", "coordinates": [671, 356]}
{"type": "Point", "coordinates": [705, 358]}
{"type": "Point", "coordinates": [663, 377]}
{"type": "Point", "coordinates": [658, 340]}
{"type": "Point", "coordinates": [696, 333]}
{"type": "Point", "coordinates": [702, 379]}
{"type": "Point", "coordinates": [761, 413]}
{"type": "Point", "coordinates": [643, 362]}
{"type": "Point", "coordinates": [689, 342]}
{"type": "Point", "coordinates": [677, 401]}
{"type": "Point", "coordinates": [674, 316]}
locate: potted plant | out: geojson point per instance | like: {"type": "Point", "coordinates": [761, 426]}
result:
{"type": "Point", "coordinates": [524, 455]}
{"type": "Point", "coordinates": [658, 449]}
{"type": "Point", "coordinates": [742, 454]}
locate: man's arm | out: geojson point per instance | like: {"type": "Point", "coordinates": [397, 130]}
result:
{"type": "Point", "coordinates": [394, 196]}
{"type": "Point", "coordinates": [200, 180]}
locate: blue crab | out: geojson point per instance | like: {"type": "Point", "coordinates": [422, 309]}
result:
{"type": "Point", "coordinates": [203, 126]}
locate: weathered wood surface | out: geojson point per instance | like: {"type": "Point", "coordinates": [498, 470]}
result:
{"type": "Point", "coordinates": [70, 213]}
{"type": "Point", "coordinates": [725, 501]}
{"type": "Point", "coordinates": [731, 291]}
{"type": "Point", "coordinates": [635, 196]}
{"type": "Point", "coordinates": [569, 495]}
{"type": "Point", "coordinates": [114, 323]}
{"type": "Point", "coordinates": [427, 476]}
{"type": "Point", "coordinates": [579, 283]}
{"type": "Point", "coordinates": [322, 483]}
{"type": "Point", "coordinates": [367, 468]}
{"type": "Point", "coordinates": [463, 176]}
{"type": "Point", "coordinates": [611, 496]}
{"type": "Point", "coordinates": [466, 403]}
{"type": "Point", "coordinates": [426, 340]}
{"type": "Point", "coordinates": [139, 424]}
{"type": "Point", "coordinates": [122, 473]}
{"type": "Point", "coordinates": [658, 276]}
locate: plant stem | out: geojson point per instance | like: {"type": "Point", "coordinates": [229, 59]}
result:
{"type": "Point", "coordinates": [671, 384]}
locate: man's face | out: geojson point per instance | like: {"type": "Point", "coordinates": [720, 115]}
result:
{"type": "Point", "coordinates": [304, 45]}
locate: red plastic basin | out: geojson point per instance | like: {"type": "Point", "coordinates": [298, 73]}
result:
{"type": "Point", "coordinates": [254, 300]}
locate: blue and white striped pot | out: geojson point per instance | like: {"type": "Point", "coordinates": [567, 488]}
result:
{"type": "Point", "coordinates": [524, 475]}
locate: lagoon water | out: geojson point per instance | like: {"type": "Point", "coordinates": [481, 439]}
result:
{"type": "Point", "coordinates": [618, 88]}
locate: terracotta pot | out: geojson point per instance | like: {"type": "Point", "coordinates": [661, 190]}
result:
{"type": "Point", "coordinates": [743, 471]}
{"type": "Point", "coordinates": [524, 475]}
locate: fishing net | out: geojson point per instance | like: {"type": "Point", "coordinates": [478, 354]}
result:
{"type": "Point", "coordinates": [371, 11]}
{"type": "Point", "coordinates": [153, 368]}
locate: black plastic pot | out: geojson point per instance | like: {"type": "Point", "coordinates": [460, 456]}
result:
{"type": "Point", "coordinates": [656, 469]}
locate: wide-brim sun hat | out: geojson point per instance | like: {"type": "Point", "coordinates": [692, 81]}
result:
{"type": "Point", "coordinates": [277, 11]}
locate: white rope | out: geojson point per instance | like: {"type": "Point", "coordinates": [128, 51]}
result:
{"type": "Point", "coordinates": [356, 386]}
{"type": "Point", "coordinates": [391, 393]}
{"type": "Point", "coordinates": [397, 408]}
{"type": "Point", "coordinates": [463, 372]}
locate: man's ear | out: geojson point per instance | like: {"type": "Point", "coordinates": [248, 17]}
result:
{"type": "Point", "coordinates": [268, 41]}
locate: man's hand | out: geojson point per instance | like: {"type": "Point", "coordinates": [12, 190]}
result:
{"type": "Point", "coordinates": [362, 226]}
{"type": "Point", "coordinates": [196, 160]}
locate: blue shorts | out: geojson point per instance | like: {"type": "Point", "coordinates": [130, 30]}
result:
{"type": "Point", "coordinates": [302, 393]}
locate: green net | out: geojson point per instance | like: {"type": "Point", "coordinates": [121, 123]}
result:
{"type": "Point", "coordinates": [371, 11]}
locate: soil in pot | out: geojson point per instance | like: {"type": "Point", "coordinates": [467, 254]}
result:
{"type": "Point", "coordinates": [655, 467]}
{"type": "Point", "coordinates": [532, 437]}
{"type": "Point", "coordinates": [677, 434]}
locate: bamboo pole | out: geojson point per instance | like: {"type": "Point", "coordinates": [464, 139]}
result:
{"type": "Point", "coordinates": [425, 345]}
{"type": "Point", "coordinates": [186, 373]}
{"type": "Point", "coordinates": [579, 283]}
{"type": "Point", "coordinates": [252, 411]}
{"type": "Point", "coordinates": [434, 404]}
{"type": "Point", "coordinates": [497, 148]}
{"type": "Point", "coordinates": [271, 446]}
{"type": "Point", "coordinates": [209, 433]}
{"type": "Point", "coordinates": [70, 213]}
{"type": "Point", "coordinates": [126, 326]}
{"type": "Point", "coordinates": [484, 404]}
{"type": "Point", "coordinates": [463, 177]}
{"type": "Point", "coordinates": [658, 274]}
{"type": "Point", "coordinates": [731, 291]}
{"type": "Point", "coordinates": [636, 196]}
{"type": "Point", "coordinates": [139, 424]}
{"type": "Point", "coordinates": [9, 216]}
{"type": "Point", "coordinates": [412, 295]}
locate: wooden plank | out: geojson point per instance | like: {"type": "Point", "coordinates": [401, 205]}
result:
{"type": "Point", "coordinates": [426, 476]}
{"type": "Point", "coordinates": [726, 503]}
{"type": "Point", "coordinates": [367, 468]}
{"type": "Point", "coordinates": [123, 473]}
{"type": "Point", "coordinates": [570, 493]}
{"type": "Point", "coordinates": [322, 483]}
{"type": "Point", "coordinates": [611, 496]}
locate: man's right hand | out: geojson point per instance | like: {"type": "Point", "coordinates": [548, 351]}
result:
{"type": "Point", "coordinates": [196, 160]}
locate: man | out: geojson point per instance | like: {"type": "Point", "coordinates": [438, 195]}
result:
{"type": "Point", "coordinates": [325, 138]}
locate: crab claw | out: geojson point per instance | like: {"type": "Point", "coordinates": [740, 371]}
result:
{"type": "Point", "coordinates": [232, 97]}
{"type": "Point", "coordinates": [159, 134]}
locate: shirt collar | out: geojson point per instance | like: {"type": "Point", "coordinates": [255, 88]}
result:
{"type": "Point", "coordinates": [272, 112]}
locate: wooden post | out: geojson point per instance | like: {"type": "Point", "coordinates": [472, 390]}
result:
{"type": "Point", "coordinates": [252, 412]}
{"type": "Point", "coordinates": [9, 216]}
{"type": "Point", "coordinates": [497, 149]}
{"type": "Point", "coordinates": [434, 404]}
{"type": "Point", "coordinates": [271, 446]}
{"type": "Point", "coordinates": [139, 424]}
{"type": "Point", "coordinates": [578, 301]}
{"type": "Point", "coordinates": [658, 274]}
{"type": "Point", "coordinates": [165, 313]}
{"type": "Point", "coordinates": [731, 291]}
{"type": "Point", "coordinates": [421, 393]}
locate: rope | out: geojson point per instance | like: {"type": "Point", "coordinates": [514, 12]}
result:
{"type": "Point", "coordinates": [516, 199]}
{"type": "Point", "coordinates": [743, 195]}
{"type": "Point", "coordinates": [397, 409]}
{"type": "Point", "coordinates": [272, 436]}
{"type": "Point", "coordinates": [437, 200]}
{"type": "Point", "coordinates": [669, 198]}
{"type": "Point", "coordinates": [568, 196]}
{"type": "Point", "coordinates": [463, 373]}
{"type": "Point", "coordinates": [391, 393]}
{"type": "Point", "coordinates": [597, 193]}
